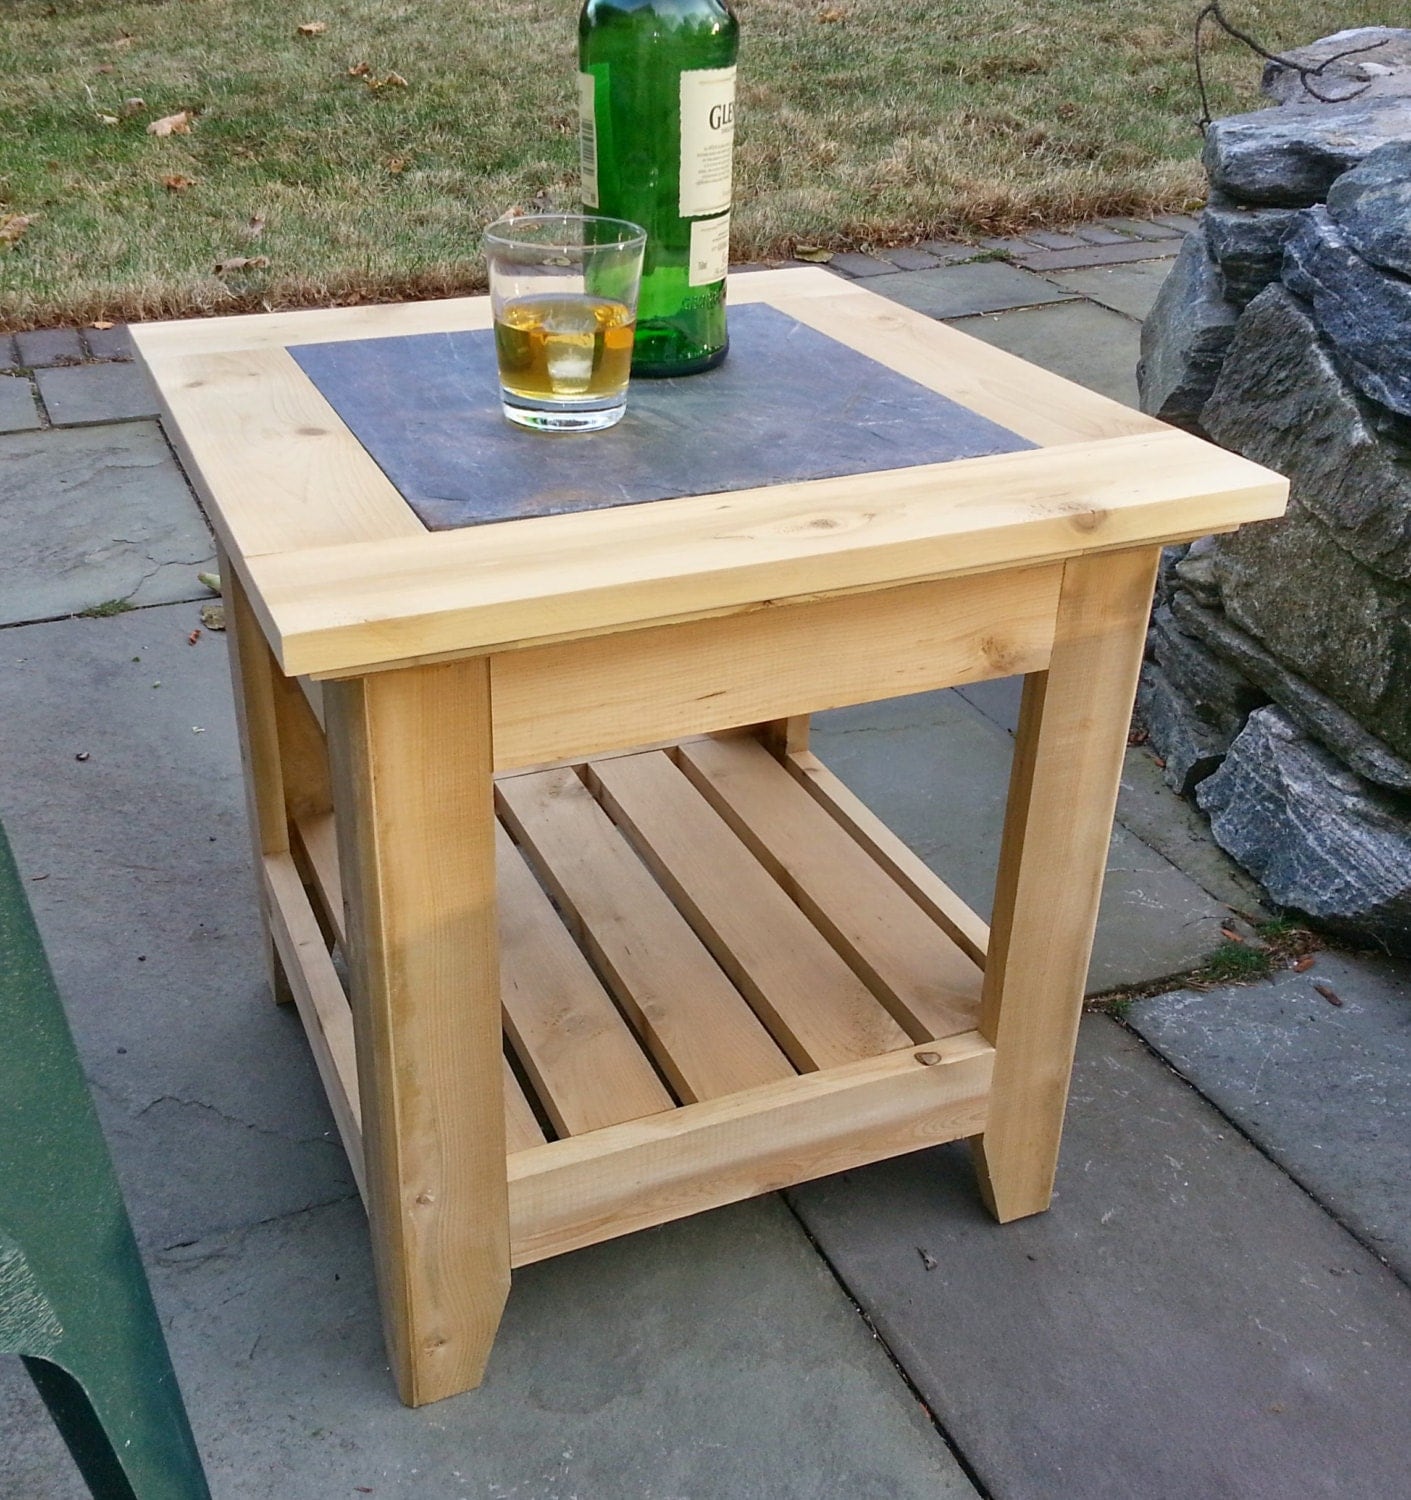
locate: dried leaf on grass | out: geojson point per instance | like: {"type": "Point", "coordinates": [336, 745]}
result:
{"type": "Point", "coordinates": [13, 226]}
{"type": "Point", "coordinates": [312, 28]}
{"type": "Point", "coordinates": [387, 81]}
{"type": "Point", "coordinates": [832, 15]}
{"type": "Point", "coordinates": [360, 70]}
{"type": "Point", "coordinates": [108, 119]}
{"type": "Point", "coordinates": [815, 253]}
{"type": "Point", "coordinates": [241, 263]}
{"type": "Point", "coordinates": [256, 227]}
{"type": "Point", "coordinates": [177, 124]}
{"type": "Point", "coordinates": [102, 325]}
{"type": "Point", "coordinates": [131, 107]}
{"type": "Point", "coordinates": [177, 183]}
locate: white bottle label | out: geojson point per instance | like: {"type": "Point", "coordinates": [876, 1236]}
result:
{"type": "Point", "coordinates": [707, 141]}
{"type": "Point", "coordinates": [710, 251]}
{"type": "Point", "coordinates": [587, 141]}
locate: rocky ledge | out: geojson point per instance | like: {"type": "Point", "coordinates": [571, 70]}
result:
{"type": "Point", "coordinates": [1278, 690]}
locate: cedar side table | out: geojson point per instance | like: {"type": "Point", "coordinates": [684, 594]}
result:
{"type": "Point", "coordinates": [619, 947]}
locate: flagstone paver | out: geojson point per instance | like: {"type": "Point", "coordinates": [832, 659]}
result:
{"type": "Point", "coordinates": [92, 515]}
{"type": "Point", "coordinates": [1315, 1066]}
{"type": "Point", "coordinates": [1130, 289]}
{"type": "Point", "coordinates": [1184, 1322]}
{"type": "Point", "coordinates": [79, 394]}
{"type": "Point", "coordinates": [1100, 255]}
{"type": "Point", "coordinates": [980, 287]}
{"type": "Point", "coordinates": [18, 413]}
{"type": "Point", "coordinates": [49, 346]}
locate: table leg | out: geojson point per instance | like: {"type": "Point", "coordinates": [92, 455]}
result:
{"type": "Point", "coordinates": [411, 759]}
{"type": "Point", "coordinates": [286, 771]}
{"type": "Point", "coordinates": [1063, 791]}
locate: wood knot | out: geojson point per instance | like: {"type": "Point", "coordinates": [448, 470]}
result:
{"type": "Point", "coordinates": [928, 1059]}
{"type": "Point", "coordinates": [425, 1199]}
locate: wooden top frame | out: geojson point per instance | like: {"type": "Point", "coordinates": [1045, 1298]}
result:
{"type": "Point", "coordinates": [345, 579]}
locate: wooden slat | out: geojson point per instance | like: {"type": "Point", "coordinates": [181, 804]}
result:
{"type": "Point", "coordinates": [323, 989]}
{"type": "Point", "coordinates": [322, 1004]}
{"type": "Point", "coordinates": [815, 1007]}
{"type": "Point", "coordinates": [577, 1192]}
{"type": "Point", "coordinates": [646, 685]}
{"type": "Point", "coordinates": [522, 1130]}
{"type": "Point", "coordinates": [576, 1049]}
{"type": "Point", "coordinates": [318, 838]}
{"type": "Point", "coordinates": [1068, 756]}
{"type": "Point", "coordinates": [411, 766]}
{"type": "Point", "coordinates": [696, 1026]}
{"type": "Point", "coordinates": [335, 609]}
{"type": "Point", "coordinates": [895, 948]}
{"type": "Point", "coordinates": [969, 931]}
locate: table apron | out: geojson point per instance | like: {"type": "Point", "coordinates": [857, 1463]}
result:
{"type": "Point", "coordinates": [637, 687]}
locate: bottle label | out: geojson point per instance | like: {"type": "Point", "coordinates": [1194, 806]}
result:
{"type": "Point", "coordinates": [710, 251]}
{"type": "Point", "coordinates": [587, 140]}
{"type": "Point", "coordinates": [707, 142]}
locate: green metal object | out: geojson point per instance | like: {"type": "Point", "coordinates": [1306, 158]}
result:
{"type": "Point", "coordinates": [74, 1300]}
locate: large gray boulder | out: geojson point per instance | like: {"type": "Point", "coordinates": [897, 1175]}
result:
{"type": "Point", "coordinates": [1364, 312]}
{"type": "Point", "coordinates": [1247, 244]}
{"type": "Point", "coordinates": [1188, 747]}
{"type": "Point", "coordinates": [1317, 837]}
{"type": "Point", "coordinates": [1281, 401]}
{"type": "Point", "coordinates": [1369, 61]}
{"type": "Point", "coordinates": [1218, 693]}
{"type": "Point", "coordinates": [1292, 156]}
{"type": "Point", "coordinates": [1344, 628]}
{"type": "Point", "coordinates": [1371, 205]}
{"type": "Point", "coordinates": [1184, 338]}
{"type": "Point", "coordinates": [1264, 674]}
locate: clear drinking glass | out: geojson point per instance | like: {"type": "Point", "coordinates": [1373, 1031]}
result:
{"type": "Point", "coordinates": [563, 288]}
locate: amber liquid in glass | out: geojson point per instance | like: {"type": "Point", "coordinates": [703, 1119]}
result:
{"type": "Point", "coordinates": [564, 346]}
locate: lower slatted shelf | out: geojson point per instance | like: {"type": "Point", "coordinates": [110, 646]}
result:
{"type": "Point", "coordinates": [719, 975]}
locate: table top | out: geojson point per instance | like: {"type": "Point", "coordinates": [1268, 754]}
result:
{"type": "Point", "coordinates": [346, 577]}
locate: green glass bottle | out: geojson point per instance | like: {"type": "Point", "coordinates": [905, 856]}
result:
{"type": "Point", "coordinates": [656, 97]}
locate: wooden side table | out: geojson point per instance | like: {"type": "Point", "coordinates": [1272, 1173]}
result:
{"type": "Point", "coordinates": [619, 948]}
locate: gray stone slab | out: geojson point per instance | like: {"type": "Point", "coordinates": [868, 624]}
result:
{"type": "Point", "coordinates": [9, 355]}
{"type": "Point", "coordinates": [49, 346]}
{"type": "Point", "coordinates": [1011, 245]}
{"type": "Point", "coordinates": [138, 866]}
{"type": "Point", "coordinates": [1130, 289]}
{"type": "Point", "coordinates": [18, 413]}
{"type": "Point", "coordinates": [998, 699]}
{"type": "Point", "coordinates": [1184, 1322]}
{"type": "Point", "coordinates": [97, 393]}
{"type": "Point", "coordinates": [1100, 234]}
{"type": "Point", "coordinates": [910, 258]}
{"type": "Point", "coordinates": [1322, 1088]}
{"type": "Point", "coordinates": [853, 264]}
{"type": "Point", "coordinates": [950, 251]}
{"type": "Point", "coordinates": [1092, 345]}
{"type": "Point", "coordinates": [1181, 223]}
{"type": "Point", "coordinates": [1051, 239]}
{"type": "Point", "coordinates": [109, 343]}
{"type": "Point", "coordinates": [796, 404]}
{"type": "Point", "coordinates": [979, 287]}
{"type": "Point", "coordinates": [95, 515]}
{"type": "Point", "coordinates": [716, 1358]}
{"type": "Point", "coordinates": [1143, 229]}
{"type": "Point", "coordinates": [937, 773]}
{"type": "Point", "coordinates": [1100, 255]}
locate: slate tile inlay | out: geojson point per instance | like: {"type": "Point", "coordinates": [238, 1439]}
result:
{"type": "Point", "coordinates": [789, 404]}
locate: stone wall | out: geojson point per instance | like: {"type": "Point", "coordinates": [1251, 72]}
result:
{"type": "Point", "coordinates": [1278, 684]}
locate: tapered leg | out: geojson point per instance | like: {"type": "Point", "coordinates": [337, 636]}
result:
{"type": "Point", "coordinates": [281, 746]}
{"type": "Point", "coordinates": [410, 753]}
{"type": "Point", "coordinates": [1062, 794]}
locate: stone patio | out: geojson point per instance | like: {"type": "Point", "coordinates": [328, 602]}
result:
{"type": "Point", "coordinates": [1207, 1310]}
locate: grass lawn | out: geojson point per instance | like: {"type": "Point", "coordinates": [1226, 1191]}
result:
{"type": "Point", "coordinates": [862, 121]}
